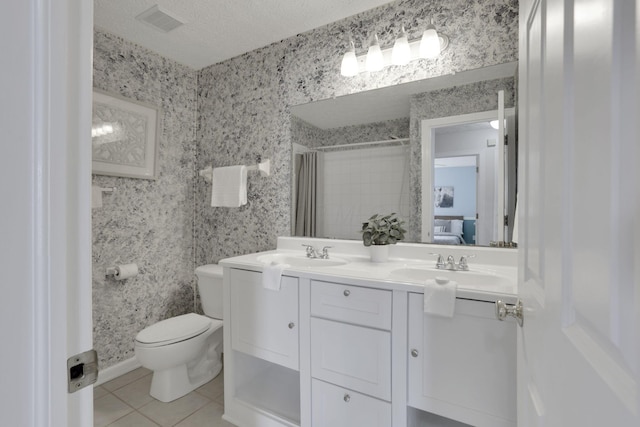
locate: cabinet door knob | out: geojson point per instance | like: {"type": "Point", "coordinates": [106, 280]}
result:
{"type": "Point", "coordinates": [292, 325]}
{"type": "Point", "coordinates": [347, 292]}
{"type": "Point", "coordinates": [414, 352]}
{"type": "Point", "coordinates": [347, 398]}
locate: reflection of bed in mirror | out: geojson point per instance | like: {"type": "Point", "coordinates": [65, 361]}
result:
{"type": "Point", "coordinates": [448, 230]}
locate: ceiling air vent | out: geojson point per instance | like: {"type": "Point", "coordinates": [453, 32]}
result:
{"type": "Point", "coordinates": [160, 19]}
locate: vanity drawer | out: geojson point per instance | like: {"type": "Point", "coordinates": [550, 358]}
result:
{"type": "Point", "coordinates": [340, 407]}
{"type": "Point", "coordinates": [352, 304]}
{"type": "Point", "coordinates": [352, 356]}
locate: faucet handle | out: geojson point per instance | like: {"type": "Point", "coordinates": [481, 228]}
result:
{"type": "Point", "coordinates": [310, 250]}
{"type": "Point", "coordinates": [325, 252]}
{"type": "Point", "coordinates": [439, 261]}
{"type": "Point", "coordinates": [463, 265]}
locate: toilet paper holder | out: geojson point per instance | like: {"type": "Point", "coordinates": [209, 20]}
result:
{"type": "Point", "coordinates": [122, 272]}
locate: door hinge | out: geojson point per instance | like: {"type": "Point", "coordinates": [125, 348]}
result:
{"type": "Point", "coordinates": [506, 220]}
{"type": "Point", "coordinates": [82, 370]}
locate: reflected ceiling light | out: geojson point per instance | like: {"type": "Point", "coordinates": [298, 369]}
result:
{"type": "Point", "coordinates": [349, 67]}
{"type": "Point", "coordinates": [401, 53]}
{"type": "Point", "coordinates": [432, 43]}
{"type": "Point", "coordinates": [494, 124]}
{"type": "Point", "coordinates": [375, 60]}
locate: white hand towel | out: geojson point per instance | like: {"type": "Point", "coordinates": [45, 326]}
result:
{"type": "Point", "coordinates": [271, 275]}
{"type": "Point", "coordinates": [229, 186]}
{"type": "Point", "coordinates": [440, 297]}
{"type": "Point", "coordinates": [96, 197]}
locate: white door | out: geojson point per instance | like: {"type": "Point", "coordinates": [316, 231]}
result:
{"type": "Point", "coordinates": [45, 226]}
{"type": "Point", "coordinates": [579, 349]}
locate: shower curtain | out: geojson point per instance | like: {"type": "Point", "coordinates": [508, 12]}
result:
{"type": "Point", "coordinates": [307, 194]}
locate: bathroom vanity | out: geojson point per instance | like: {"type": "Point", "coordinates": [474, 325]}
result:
{"type": "Point", "coordinates": [346, 342]}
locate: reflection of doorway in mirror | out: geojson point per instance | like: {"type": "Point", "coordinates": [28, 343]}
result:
{"type": "Point", "coordinates": [456, 195]}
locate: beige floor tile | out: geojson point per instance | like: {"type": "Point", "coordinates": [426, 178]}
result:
{"type": "Point", "coordinates": [135, 419]}
{"type": "Point", "coordinates": [169, 414]}
{"type": "Point", "coordinates": [125, 379]}
{"type": "Point", "coordinates": [136, 394]}
{"type": "Point", "coordinates": [213, 388]}
{"type": "Point", "coordinates": [107, 409]}
{"type": "Point", "coordinates": [210, 416]}
{"type": "Point", "coordinates": [99, 391]}
{"type": "Point", "coordinates": [220, 400]}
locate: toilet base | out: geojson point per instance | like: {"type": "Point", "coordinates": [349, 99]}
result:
{"type": "Point", "coordinates": [172, 384]}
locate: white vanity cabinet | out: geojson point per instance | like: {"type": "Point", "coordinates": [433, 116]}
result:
{"type": "Point", "coordinates": [462, 368]}
{"type": "Point", "coordinates": [350, 355]}
{"type": "Point", "coordinates": [264, 322]}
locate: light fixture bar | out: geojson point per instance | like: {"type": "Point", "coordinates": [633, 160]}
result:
{"type": "Point", "coordinates": [414, 46]}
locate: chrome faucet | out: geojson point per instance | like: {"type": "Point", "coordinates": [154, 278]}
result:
{"type": "Point", "coordinates": [313, 252]}
{"type": "Point", "coordinates": [325, 252]}
{"type": "Point", "coordinates": [450, 264]}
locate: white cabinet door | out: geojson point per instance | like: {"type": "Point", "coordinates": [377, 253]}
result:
{"type": "Point", "coordinates": [353, 356]}
{"type": "Point", "coordinates": [334, 406]}
{"type": "Point", "coordinates": [463, 367]}
{"type": "Point", "coordinates": [264, 322]}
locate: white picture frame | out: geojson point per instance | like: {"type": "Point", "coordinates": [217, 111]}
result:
{"type": "Point", "coordinates": [124, 136]}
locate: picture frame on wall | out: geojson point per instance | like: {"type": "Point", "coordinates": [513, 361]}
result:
{"type": "Point", "coordinates": [443, 196]}
{"type": "Point", "coordinates": [124, 136]}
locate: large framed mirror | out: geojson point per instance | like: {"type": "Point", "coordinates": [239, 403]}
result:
{"type": "Point", "coordinates": [392, 149]}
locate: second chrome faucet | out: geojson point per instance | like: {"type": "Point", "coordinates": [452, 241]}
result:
{"type": "Point", "coordinates": [450, 263]}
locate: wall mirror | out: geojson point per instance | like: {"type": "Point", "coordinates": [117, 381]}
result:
{"type": "Point", "coordinates": [424, 149]}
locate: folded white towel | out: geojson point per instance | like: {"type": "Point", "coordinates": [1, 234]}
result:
{"type": "Point", "coordinates": [229, 186]}
{"type": "Point", "coordinates": [440, 297]}
{"type": "Point", "coordinates": [271, 275]}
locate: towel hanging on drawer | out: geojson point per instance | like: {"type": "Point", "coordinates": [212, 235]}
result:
{"type": "Point", "coordinates": [440, 297]}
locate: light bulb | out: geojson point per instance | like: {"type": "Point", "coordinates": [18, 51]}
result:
{"type": "Point", "coordinates": [349, 67]}
{"type": "Point", "coordinates": [430, 43]}
{"type": "Point", "coordinates": [375, 61]}
{"type": "Point", "coordinates": [401, 53]}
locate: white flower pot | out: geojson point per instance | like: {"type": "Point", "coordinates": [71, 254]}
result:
{"type": "Point", "coordinates": [379, 253]}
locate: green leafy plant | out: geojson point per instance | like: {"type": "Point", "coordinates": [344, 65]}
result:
{"type": "Point", "coordinates": [382, 230]}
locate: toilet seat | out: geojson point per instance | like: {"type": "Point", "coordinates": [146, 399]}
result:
{"type": "Point", "coordinates": [175, 329]}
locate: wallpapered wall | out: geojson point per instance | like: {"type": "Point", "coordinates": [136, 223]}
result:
{"type": "Point", "coordinates": [237, 112]}
{"type": "Point", "coordinates": [243, 103]}
{"type": "Point", "coordinates": [149, 222]}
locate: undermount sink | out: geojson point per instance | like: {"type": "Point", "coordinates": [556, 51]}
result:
{"type": "Point", "coordinates": [300, 260]}
{"type": "Point", "coordinates": [464, 278]}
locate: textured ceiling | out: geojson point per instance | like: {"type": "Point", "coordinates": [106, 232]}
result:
{"type": "Point", "coordinates": [217, 30]}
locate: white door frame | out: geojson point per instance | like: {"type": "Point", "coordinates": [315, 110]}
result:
{"type": "Point", "coordinates": [427, 132]}
{"type": "Point", "coordinates": [45, 178]}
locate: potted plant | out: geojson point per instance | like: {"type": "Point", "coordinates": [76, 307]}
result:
{"type": "Point", "coordinates": [379, 231]}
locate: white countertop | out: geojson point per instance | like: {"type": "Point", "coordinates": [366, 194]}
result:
{"type": "Point", "coordinates": [495, 281]}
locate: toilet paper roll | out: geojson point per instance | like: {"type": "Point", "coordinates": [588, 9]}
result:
{"type": "Point", "coordinates": [126, 271]}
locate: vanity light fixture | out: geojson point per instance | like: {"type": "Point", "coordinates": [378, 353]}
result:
{"type": "Point", "coordinates": [375, 60]}
{"type": "Point", "coordinates": [430, 42]}
{"type": "Point", "coordinates": [494, 124]}
{"type": "Point", "coordinates": [403, 52]}
{"type": "Point", "coordinates": [349, 67]}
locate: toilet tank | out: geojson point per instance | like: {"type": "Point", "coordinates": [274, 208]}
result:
{"type": "Point", "coordinates": [210, 288]}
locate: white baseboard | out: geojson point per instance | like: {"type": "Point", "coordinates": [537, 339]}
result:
{"type": "Point", "coordinates": [115, 371]}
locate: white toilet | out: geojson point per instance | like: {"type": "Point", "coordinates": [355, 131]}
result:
{"type": "Point", "coordinates": [184, 352]}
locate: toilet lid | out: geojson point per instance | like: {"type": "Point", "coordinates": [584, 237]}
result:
{"type": "Point", "coordinates": [175, 329]}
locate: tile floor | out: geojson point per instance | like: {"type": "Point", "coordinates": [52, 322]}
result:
{"type": "Point", "coordinates": [125, 402]}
